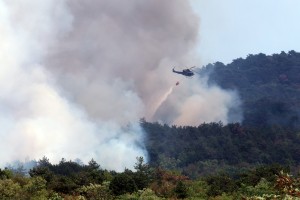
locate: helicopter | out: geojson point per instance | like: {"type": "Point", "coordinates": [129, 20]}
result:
{"type": "Point", "coordinates": [186, 72]}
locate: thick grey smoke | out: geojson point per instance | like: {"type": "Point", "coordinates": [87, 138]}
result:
{"type": "Point", "coordinates": [119, 55]}
{"type": "Point", "coordinates": [76, 76]}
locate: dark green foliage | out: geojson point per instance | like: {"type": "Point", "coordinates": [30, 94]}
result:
{"type": "Point", "coordinates": [5, 174]}
{"type": "Point", "coordinates": [181, 190]}
{"type": "Point", "coordinates": [268, 172]}
{"type": "Point", "coordinates": [261, 182]}
{"type": "Point", "coordinates": [44, 162]}
{"type": "Point", "coordinates": [204, 149]}
{"type": "Point", "coordinates": [143, 174]}
{"type": "Point", "coordinates": [63, 184]}
{"type": "Point", "coordinates": [42, 172]}
{"type": "Point", "coordinates": [93, 165]}
{"type": "Point", "coordinates": [221, 183]}
{"type": "Point", "coordinates": [68, 175]}
{"type": "Point", "coordinates": [122, 184]}
{"type": "Point", "coordinates": [269, 87]}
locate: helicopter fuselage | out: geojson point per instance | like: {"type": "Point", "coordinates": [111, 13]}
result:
{"type": "Point", "coordinates": [185, 72]}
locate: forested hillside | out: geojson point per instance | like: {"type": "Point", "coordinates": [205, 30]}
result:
{"type": "Point", "coordinates": [269, 86]}
{"type": "Point", "coordinates": [213, 147]}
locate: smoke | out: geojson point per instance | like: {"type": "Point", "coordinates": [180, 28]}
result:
{"type": "Point", "coordinates": [194, 102]}
{"type": "Point", "coordinates": [161, 101]}
{"type": "Point", "coordinates": [76, 77]}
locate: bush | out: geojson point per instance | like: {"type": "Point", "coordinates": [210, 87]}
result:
{"type": "Point", "coordinates": [122, 184]}
{"type": "Point", "coordinates": [181, 191]}
{"type": "Point", "coordinates": [9, 189]}
{"type": "Point", "coordinates": [95, 191]}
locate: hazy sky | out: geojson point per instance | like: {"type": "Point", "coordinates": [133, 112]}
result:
{"type": "Point", "coordinates": [235, 28]}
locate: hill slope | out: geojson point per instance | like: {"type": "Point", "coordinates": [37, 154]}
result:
{"type": "Point", "coordinates": [269, 86]}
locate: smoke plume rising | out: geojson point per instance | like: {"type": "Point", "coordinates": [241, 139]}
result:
{"type": "Point", "coordinates": [76, 77]}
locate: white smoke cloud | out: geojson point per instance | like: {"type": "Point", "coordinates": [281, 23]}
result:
{"type": "Point", "coordinates": [76, 77]}
{"type": "Point", "coordinates": [193, 102]}
{"type": "Point", "coordinates": [36, 118]}
{"type": "Point", "coordinates": [206, 104]}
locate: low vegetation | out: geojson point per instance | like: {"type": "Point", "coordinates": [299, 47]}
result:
{"type": "Point", "coordinates": [71, 180]}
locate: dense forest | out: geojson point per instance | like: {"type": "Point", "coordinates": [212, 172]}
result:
{"type": "Point", "coordinates": [208, 148]}
{"type": "Point", "coordinates": [269, 86]}
{"type": "Point", "coordinates": [258, 158]}
{"type": "Point", "coordinates": [269, 89]}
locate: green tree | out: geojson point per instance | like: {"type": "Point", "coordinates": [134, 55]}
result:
{"type": "Point", "coordinates": [42, 171]}
{"type": "Point", "coordinates": [122, 183]}
{"type": "Point", "coordinates": [143, 175]}
{"type": "Point", "coordinates": [181, 190]}
{"type": "Point", "coordinates": [10, 190]}
{"type": "Point", "coordinates": [6, 174]}
{"type": "Point", "coordinates": [221, 183]}
{"type": "Point", "coordinates": [35, 188]}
